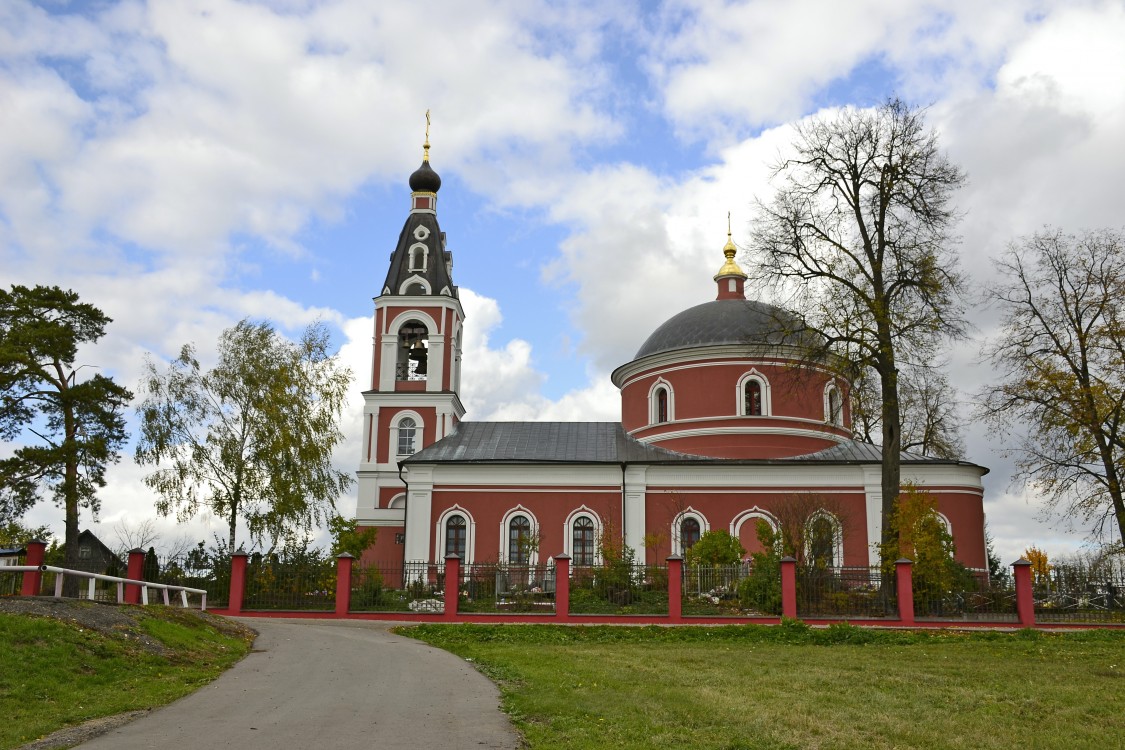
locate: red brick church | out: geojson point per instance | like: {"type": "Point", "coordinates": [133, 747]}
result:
{"type": "Point", "coordinates": [722, 425]}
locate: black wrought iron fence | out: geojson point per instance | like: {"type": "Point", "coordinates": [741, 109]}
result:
{"type": "Point", "coordinates": [197, 572]}
{"type": "Point", "coordinates": [969, 598]}
{"type": "Point", "coordinates": [715, 590]}
{"type": "Point", "coordinates": [497, 587]}
{"type": "Point", "coordinates": [619, 589]}
{"type": "Point", "coordinates": [1079, 594]}
{"type": "Point", "coordinates": [290, 586]}
{"type": "Point", "coordinates": [845, 592]}
{"type": "Point", "coordinates": [398, 587]}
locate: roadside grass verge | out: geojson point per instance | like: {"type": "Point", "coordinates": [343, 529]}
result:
{"type": "Point", "coordinates": [56, 673]}
{"type": "Point", "coordinates": [748, 687]}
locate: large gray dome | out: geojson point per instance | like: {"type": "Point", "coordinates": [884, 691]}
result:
{"type": "Point", "coordinates": [724, 321]}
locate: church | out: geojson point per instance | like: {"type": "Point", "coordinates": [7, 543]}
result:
{"type": "Point", "coordinates": [723, 425]}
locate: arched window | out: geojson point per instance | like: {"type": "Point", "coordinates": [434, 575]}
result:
{"type": "Point", "coordinates": [413, 351]}
{"type": "Point", "coordinates": [689, 533]}
{"type": "Point", "coordinates": [519, 540]}
{"type": "Point", "coordinates": [456, 533]}
{"type": "Point", "coordinates": [418, 255]}
{"type": "Point", "coordinates": [753, 398]}
{"type": "Point", "coordinates": [662, 405]}
{"type": "Point", "coordinates": [824, 544]}
{"type": "Point", "coordinates": [583, 541]}
{"type": "Point", "coordinates": [833, 405]}
{"type": "Point", "coordinates": [407, 432]}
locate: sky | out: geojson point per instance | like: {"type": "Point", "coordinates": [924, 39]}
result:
{"type": "Point", "coordinates": [184, 164]}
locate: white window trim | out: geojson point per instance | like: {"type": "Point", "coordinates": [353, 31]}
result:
{"type": "Point", "coordinates": [654, 407]}
{"type": "Point", "coordinates": [568, 533]}
{"type": "Point", "coordinates": [519, 510]}
{"type": "Point", "coordinates": [415, 251]}
{"type": "Point", "coordinates": [410, 281]}
{"type": "Point", "coordinates": [400, 496]}
{"type": "Point", "coordinates": [419, 431]}
{"type": "Point", "coordinates": [837, 536]}
{"type": "Point", "coordinates": [740, 395]}
{"type": "Point", "coordinates": [753, 515]}
{"type": "Point", "coordinates": [470, 534]}
{"type": "Point", "coordinates": [689, 512]}
{"type": "Point", "coordinates": [829, 387]}
{"type": "Point", "coordinates": [421, 233]}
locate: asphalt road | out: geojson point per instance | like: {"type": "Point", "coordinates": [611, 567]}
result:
{"type": "Point", "coordinates": [332, 684]}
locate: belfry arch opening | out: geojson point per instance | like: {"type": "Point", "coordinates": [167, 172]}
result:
{"type": "Point", "coordinates": [412, 362]}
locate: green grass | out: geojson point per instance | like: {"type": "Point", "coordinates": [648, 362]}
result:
{"type": "Point", "coordinates": [55, 674]}
{"type": "Point", "coordinates": [742, 687]}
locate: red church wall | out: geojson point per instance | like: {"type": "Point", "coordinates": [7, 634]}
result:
{"type": "Point", "coordinates": [386, 550]}
{"type": "Point", "coordinates": [742, 445]}
{"type": "Point", "coordinates": [549, 510]}
{"type": "Point", "coordinates": [387, 416]}
{"type": "Point", "coordinates": [965, 512]}
{"type": "Point", "coordinates": [848, 505]}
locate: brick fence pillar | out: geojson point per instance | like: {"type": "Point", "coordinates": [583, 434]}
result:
{"type": "Point", "coordinates": [344, 583]}
{"type": "Point", "coordinates": [675, 588]}
{"type": "Point", "coordinates": [789, 587]}
{"type": "Point", "coordinates": [904, 577]}
{"type": "Point", "coordinates": [1025, 596]}
{"type": "Point", "coordinates": [562, 586]}
{"type": "Point", "coordinates": [134, 571]}
{"type": "Point", "coordinates": [36, 551]}
{"type": "Point", "coordinates": [237, 581]}
{"type": "Point", "coordinates": [452, 585]}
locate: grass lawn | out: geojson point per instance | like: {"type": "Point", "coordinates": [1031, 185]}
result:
{"type": "Point", "coordinates": [56, 672]}
{"type": "Point", "coordinates": [741, 687]}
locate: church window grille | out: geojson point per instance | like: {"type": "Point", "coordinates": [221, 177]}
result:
{"type": "Point", "coordinates": [689, 533]}
{"type": "Point", "coordinates": [407, 432]}
{"type": "Point", "coordinates": [519, 540]}
{"type": "Point", "coordinates": [456, 534]}
{"type": "Point", "coordinates": [583, 541]}
{"type": "Point", "coordinates": [753, 398]}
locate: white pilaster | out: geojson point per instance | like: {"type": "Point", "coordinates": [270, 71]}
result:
{"type": "Point", "coordinates": [873, 489]}
{"type": "Point", "coordinates": [634, 508]}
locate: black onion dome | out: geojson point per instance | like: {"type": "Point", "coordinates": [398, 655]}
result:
{"type": "Point", "coordinates": [725, 321]}
{"type": "Point", "coordinates": [425, 179]}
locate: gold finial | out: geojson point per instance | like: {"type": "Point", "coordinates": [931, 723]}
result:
{"type": "Point", "coordinates": [730, 268]}
{"type": "Point", "coordinates": [426, 145]}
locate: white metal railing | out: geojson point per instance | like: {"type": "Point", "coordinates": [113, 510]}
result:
{"type": "Point", "coordinates": [61, 573]}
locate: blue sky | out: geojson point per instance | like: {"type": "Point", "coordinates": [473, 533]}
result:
{"type": "Point", "coordinates": [185, 164]}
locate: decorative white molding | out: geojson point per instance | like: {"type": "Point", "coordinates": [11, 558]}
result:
{"type": "Point", "coordinates": [740, 394]}
{"type": "Point", "coordinates": [519, 510]}
{"type": "Point", "coordinates": [470, 533]}
{"type": "Point", "coordinates": [654, 404]}
{"type": "Point", "coordinates": [754, 514]}
{"type": "Point", "coordinates": [411, 281]}
{"type": "Point", "coordinates": [677, 522]}
{"type": "Point", "coordinates": [568, 532]}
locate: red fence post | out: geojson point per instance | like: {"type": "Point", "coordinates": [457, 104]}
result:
{"type": "Point", "coordinates": [237, 581]}
{"type": "Point", "coordinates": [789, 587]}
{"type": "Point", "coordinates": [452, 585]}
{"type": "Point", "coordinates": [562, 586]}
{"type": "Point", "coordinates": [134, 571]}
{"type": "Point", "coordinates": [344, 562]}
{"type": "Point", "coordinates": [36, 550]}
{"type": "Point", "coordinates": [675, 588]}
{"type": "Point", "coordinates": [904, 575]}
{"type": "Point", "coordinates": [1025, 597]}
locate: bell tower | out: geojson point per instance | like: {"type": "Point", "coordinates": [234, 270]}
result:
{"type": "Point", "coordinates": [412, 398]}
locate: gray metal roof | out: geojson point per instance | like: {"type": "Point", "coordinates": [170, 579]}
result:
{"type": "Point", "coordinates": [542, 442]}
{"type": "Point", "coordinates": [724, 321]}
{"type": "Point", "coordinates": [606, 442]}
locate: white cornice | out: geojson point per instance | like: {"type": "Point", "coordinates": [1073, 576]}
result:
{"type": "Point", "coordinates": [703, 431]}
